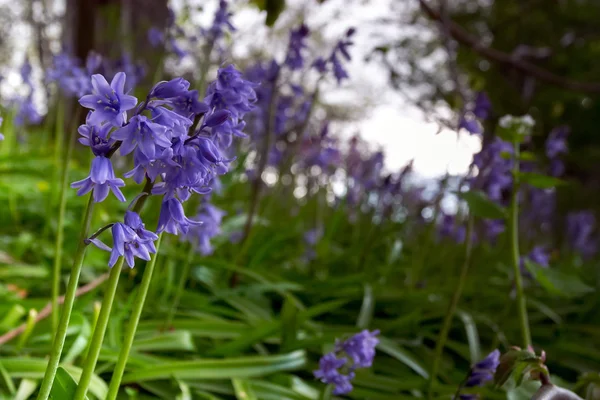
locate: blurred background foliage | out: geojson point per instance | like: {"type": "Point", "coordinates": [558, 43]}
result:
{"type": "Point", "coordinates": [328, 254]}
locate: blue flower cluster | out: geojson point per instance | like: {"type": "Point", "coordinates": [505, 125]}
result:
{"type": "Point", "coordinates": [176, 141]}
{"type": "Point", "coordinates": [482, 372]}
{"type": "Point", "coordinates": [337, 367]}
{"type": "Point", "coordinates": [26, 111]}
{"type": "Point", "coordinates": [556, 144]}
{"type": "Point", "coordinates": [580, 228]}
{"type": "Point", "coordinates": [473, 114]}
{"type": "Point", "coordinates": [339, 52]}
{"type": "Point", "coordinates": [74, 79]}
{"type": "Point", "coordinates": [201, 234]}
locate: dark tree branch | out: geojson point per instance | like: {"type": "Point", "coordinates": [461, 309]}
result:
{"type": "Point", "coordinates": [464, 37]}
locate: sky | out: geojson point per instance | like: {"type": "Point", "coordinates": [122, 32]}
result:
{"type": "Point", "coordinates": [391, 122]}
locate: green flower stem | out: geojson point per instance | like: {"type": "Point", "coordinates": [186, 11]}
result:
{"type": "Point", "coordinates": [102, 322]}
{"type": "Point", "coordinates": [443, 337]}
{"type": "Point", "coordinates": [514, 240]}
{"type": "Point", "coordinates": [61, 330]}
{"type": "Point", "coordinates": [98, 336]}
{"type": "Point", "coordinates": [60, 230]}
{"type": "Point", "coordinates": [180, 286]}
{"type": "Point", "coordinates": [134, 319]}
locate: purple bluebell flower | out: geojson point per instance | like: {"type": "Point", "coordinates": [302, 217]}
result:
{"type": "Point", "coordinates": [483, 107]}
{"type": "Point", "coordinates": [172, 218]}
{"type": "Point", "coordinates": [337, 367]}
{"type": "Point", "coordinates": [96, 138]}
{"type": "Point", "coordinates": [143, 135]}
{"type": "Point", "coordinates": [580, 226]}
{"type": "Point", "coordinates": [109, 102]}
{"type": "Point", "coordinates": [294, 58]}
{"type": "Point", "coordinates": [167, 89]}
{"type": "Point", "coordinates": [1, 135]}
{"type": "Point", "coordinates": [101, 180]}
{"type": "Point", "coordinates": [188, 104]}
{"type": "Point", "coordinates": [482, 372]}
{"type": "Point", "coordinates": [222, 21]}
{"type": "Point", "coordinates": [556, 143]}
{"type": "Point", "coordinates": [494, 169]}
{"type": "Point", "coordinates": [493, 228]}
{"type": "Point", "coordinates": [361, 348]}
{"type": "Point", "coordinates": [27, 112]}
{"type": "Point", "coordinates": [156, 37]}
{"type": "Point", "coordinates": [329, 373]}
{"type": "Point", "coordinates": [201, 234]}
{"type": "Point", "coordinates": [128, 243]}
{"type": "Point", "coordinates": [471, 125]}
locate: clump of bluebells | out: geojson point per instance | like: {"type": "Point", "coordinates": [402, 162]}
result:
{"type": "Point", "coordinates": [481, 373]}
{"type": "Point", "coordinates": [73, 79]}
{"type": "Point", "coordinates": [26, 110]}
{"type": "Point", "coordinates": [175, 141]}
{"type": "Point", "coordinates": [337, 367]}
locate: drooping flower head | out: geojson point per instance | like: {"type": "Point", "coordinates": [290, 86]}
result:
{"type": "Point", "coordinates": [481, 373]}
{"type": "Point", "coordinates": [294, 58]}
{"type": "Point", "coordinates": [101, 179]}
{"type": "Point", "coordinates": [337, 367]}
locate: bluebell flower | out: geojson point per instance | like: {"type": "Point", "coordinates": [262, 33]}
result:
{"type": "Point", "coordinates": [96, 138]}
{"type": "Point", "coordinates": [27, 112]}
{"type": "Point", "coordinates": [329, 373]}
{"type": "Point", "coordinates": [172, 219]}
{"type": "Point", "coordinates": [556, 143]}
{"type": "Point", "coordinates": [294, 58]}
{"type": "Point", "coordinates": [143, 135]}
{"type": "Point", "coordinates": [361, 348]}
{"type": "Point", "coordinates": [109, 102]}
{"type": "Point", "coordinates": [155, 37]}
{"type": "Point", "coordinates": [469, 124]}
{"type": "Point", "coordinates": [1, 135]}
{"type": "Point", "coordinates": [482, 372]}
{"type": "Point", "coordinates": [168, 89]}
{"type": "Point", "coordinates": [580, 226]}
{"type": "Point", "coordinates": [337, 367]}
{"type": "Point", "coordinates": [188, 104]}
{"type": "Point", "coordinates": [200, 235]}
{"type": "Point", "coordinates": [101, 180]}
{"type": "Point", "coordinates": [483, 107]}
{"type": "Point", "coordinates": [222, 21]}
{"type": "Point", "coordinates": [129, 241]}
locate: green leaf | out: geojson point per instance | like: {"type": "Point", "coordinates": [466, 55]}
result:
{"type": "Point", "coordinates": [289, 324]}
{"type": "Point", "coordinates": [34, 368]}
{"type": "Point", "coordinates": [558, 282]}
{"type": "Point", "coordinates": [508, 363]}
{"type": "Point", "coordinates": [243, 389]}
{"type": "Point", "coordinates": [472, 336]}
{"type": "Point", "coordinates": [539, 181]}
{"type": "Point", "coordinates": [64, 386]}
{"type": "Point", "coordinates": [82, 339]}
{"type": "Point", "coordinates": [6, 379]}
{"type": "Point", "coordinates": [392, 349]}
{"type": "Point", "coordinates": [26, 389]}
{"type": "Point", "coordinates": [367, 308]}
{"type": "Point", "coordinates": [481, 206]}
{"type": "Point", "coordinates": [179, 340]}
{"type": "Point", "coordinates": [242, 367]}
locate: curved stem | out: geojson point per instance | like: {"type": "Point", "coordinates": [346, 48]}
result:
{"type": "Point", "coordinates": [61, 330]}
{"type": "Point", "coordinates": [98, 336]}
{"type": "Point", "coordinates": [60, 233]}
{"type": "Point", "coordinates": [514, 240]}
{"type": "Point", "coordinates": [134, 319]}
{"type": "Point", "coordinates": [443, 337]}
